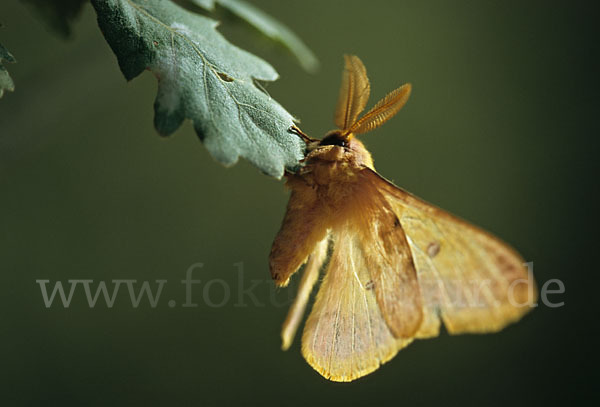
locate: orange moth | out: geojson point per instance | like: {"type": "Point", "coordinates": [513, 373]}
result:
{"type": "Point", "coordinates": [394, 266]}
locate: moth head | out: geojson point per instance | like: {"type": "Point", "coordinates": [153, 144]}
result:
{"type": "Point", "coordinates": [336, 138]}
{"type": "Point", "coordinates": [338, 145]}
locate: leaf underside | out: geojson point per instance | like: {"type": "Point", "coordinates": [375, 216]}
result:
{"type": "Point", "coordinates": [204, 78]}
{"type": "Point", "coordinates": [269, 27]}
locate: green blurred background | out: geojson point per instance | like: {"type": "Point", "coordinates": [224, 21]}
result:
{"type": "Point", "coordinates": [496, 131]}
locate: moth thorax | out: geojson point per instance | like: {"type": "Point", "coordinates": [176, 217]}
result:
{"type": "Point", "coordinates": [362, 157]}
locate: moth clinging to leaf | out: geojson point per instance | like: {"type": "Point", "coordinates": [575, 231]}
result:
{"type": "Point", "coordinates": [393, 266]}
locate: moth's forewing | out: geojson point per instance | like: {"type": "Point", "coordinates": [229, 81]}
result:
{"type": "Point", "coordinates": [301, 230]}
{"type": "Point", "coordinates": [387, 259]}
{"type": "Point", "coordinates": [470, 279]}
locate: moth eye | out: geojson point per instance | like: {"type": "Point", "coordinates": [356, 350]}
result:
{"type": "Point", "coordinates": [333, 140]}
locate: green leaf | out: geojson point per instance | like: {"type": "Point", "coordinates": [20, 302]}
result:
{"type": "Point", "coordinates": [268, 26]}
{"type": "Point", "coordinates": [204, 78]}
{"type": "Point", "coordinates": [6, 82]}
{"type": "Point", "coordinates": [205, 4]}
{"type": "Point", "coordinates": [58, 14]}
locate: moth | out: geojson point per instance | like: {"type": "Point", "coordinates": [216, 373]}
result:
{"type": "Point", "coordinates": [394, 266]}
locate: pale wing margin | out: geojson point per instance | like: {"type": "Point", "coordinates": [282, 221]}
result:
{"type": "Point", "coordinates": [346, 336]}
{"type": "Point", "coordinates": [470, 279]}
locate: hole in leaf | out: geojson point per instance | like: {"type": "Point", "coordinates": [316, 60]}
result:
{"type": "Point", "coordinates": [225, 77]}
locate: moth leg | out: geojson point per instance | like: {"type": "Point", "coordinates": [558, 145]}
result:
{"type": "Point", "coordinates": [296, 130]}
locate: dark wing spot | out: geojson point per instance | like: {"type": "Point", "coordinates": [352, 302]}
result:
{"type": "Point", "coordinates": [396, 222]}
{"type": "Point", "coordinates": [507, 267]}
{"type": "Point", "coordinates": [370, 284]}
{"type": "Point", "coordinates": [433, 249]}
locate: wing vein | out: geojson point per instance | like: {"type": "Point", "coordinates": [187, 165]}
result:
{"type": "Point", "coordinates": [335, 331]}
